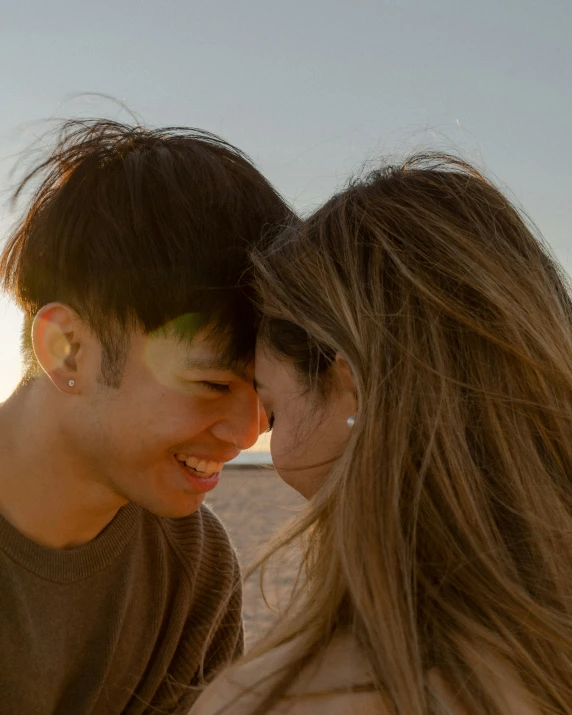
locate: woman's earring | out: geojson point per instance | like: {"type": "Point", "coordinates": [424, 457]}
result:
{"type": "Point", "coordinates": [71, 383]}
{"type": "Point", "coordinates": [351, 421]}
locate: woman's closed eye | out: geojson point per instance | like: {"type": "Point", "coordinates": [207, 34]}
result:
{"type": "Point", "coordinates": [270, 422]}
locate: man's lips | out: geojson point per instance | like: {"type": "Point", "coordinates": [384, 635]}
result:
{"type": "Point", "coordinates": [200, 482]}
{"type": "Point", "coordinates": [201, 466]}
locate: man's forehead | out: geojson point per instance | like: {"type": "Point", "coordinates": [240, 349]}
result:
{"type": "Point", "coordinates": [218, 360]}
{"type": "Point", "coordinates": [205, 353]}
{"type": "Point", "coordinates": [203, 349]}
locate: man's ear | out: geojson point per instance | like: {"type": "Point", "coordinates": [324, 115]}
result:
{"type": "Point", "coordinates": [57, 336]}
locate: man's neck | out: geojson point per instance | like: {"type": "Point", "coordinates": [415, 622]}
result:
{"type": "Point", "coordinates": [46, 493]}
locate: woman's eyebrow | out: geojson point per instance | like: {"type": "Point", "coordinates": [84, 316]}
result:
{"type": "Point", "coordinates": [258, 385]}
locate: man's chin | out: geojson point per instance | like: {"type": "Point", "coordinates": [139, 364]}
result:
{"type": "Point", "coordinates": [191, 507]}
{"type": "Point", "coordinates": [184, 507]}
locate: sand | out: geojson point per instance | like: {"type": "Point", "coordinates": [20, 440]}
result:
{"type": "Point", "coordinates": [253, 503]}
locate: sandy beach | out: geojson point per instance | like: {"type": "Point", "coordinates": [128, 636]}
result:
{"type": "Point", "coordinates": [253, 503]}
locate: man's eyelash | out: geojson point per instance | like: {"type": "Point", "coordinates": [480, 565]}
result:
{"type": "Point", "coordinates": [215, 386]}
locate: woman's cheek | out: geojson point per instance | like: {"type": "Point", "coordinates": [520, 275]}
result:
{"type": "Point", "coordinates": [279, 454]}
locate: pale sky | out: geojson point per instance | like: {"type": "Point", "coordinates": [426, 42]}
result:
{"type": "Point", "coordinates": [309, 89]}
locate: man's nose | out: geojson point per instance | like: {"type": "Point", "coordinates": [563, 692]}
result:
{"type": "Point", "coordinates": [242, 424]}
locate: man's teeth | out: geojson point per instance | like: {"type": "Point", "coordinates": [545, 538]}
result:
{"type": "Point", "coordinates": [201, 465]}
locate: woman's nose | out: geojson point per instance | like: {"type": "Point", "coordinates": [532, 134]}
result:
{"type": "Point", "coordinates": [263, 422]}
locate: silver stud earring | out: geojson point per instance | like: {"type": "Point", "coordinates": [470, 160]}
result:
{"type": "Point", "coordinates": [71, 383]}
{"type": "Point", "coordinates": [351, 421]}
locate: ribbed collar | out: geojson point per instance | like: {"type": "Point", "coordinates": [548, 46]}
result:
{"type": "Point", "coordinates": [68, 565]}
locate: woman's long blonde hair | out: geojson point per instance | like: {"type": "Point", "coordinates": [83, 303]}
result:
{"type": "Point", "coordinates": [447, 522]}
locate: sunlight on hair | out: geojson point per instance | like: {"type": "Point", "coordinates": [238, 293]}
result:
{"type": "Point", "coordinates": [184, 327]}
{"type": "Point", "coordinates": [166, 347]}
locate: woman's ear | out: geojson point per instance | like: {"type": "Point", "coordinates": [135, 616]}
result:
{"type": "Point", "coordinates": [345, 381]}
{"type": "Point", "coordinates": [57, 339]}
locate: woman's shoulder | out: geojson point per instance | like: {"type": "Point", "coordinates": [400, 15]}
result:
{"type": "Point", "coordinates": [334, 684]}
{"type": "Point", "coordinates": [498, 679]}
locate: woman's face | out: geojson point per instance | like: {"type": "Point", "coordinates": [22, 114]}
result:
{"type": "Point", "coordinates": [309, 432]}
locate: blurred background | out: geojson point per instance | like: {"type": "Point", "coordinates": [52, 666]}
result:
{"type": "Point", "coordinates": [310, 89]}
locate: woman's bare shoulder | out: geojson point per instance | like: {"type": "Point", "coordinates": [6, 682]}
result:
{"type": "Point", "coordinates": [222, 699]}
{"type": "Point", "coordinates": [497, 678]}
{"type": "Point", "coordinates": [326, 687]}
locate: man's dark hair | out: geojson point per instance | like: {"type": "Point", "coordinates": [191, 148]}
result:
{"type": "Point", "coordinates": [136, 227]}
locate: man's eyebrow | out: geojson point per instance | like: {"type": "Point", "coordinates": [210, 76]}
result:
{"type": "Point", "coordinates": [217, 363]}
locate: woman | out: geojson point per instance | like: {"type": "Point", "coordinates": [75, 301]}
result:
{"type": "Point", "coordinates": [415, 361]}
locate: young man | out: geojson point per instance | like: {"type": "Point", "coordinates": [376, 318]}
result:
{"type": "Point", "coordinates": [118, 590]}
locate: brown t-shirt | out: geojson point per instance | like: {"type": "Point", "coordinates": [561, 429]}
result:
{"type": "Point", "coordinates": [118, 625]}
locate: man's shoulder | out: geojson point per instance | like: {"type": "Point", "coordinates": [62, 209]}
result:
{"type": "Point", "coordinates": [201, 526]}
{"type": "Point", "coordinates": [200, 540]}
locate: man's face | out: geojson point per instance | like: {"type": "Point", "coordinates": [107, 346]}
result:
{"type": "Point", "coordinates": [161, 437]}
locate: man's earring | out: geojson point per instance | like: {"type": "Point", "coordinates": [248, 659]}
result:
{"type": "Point", "coordinates": [351, 421]}
{"type": "Point", "coordinates": [71, 383]}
